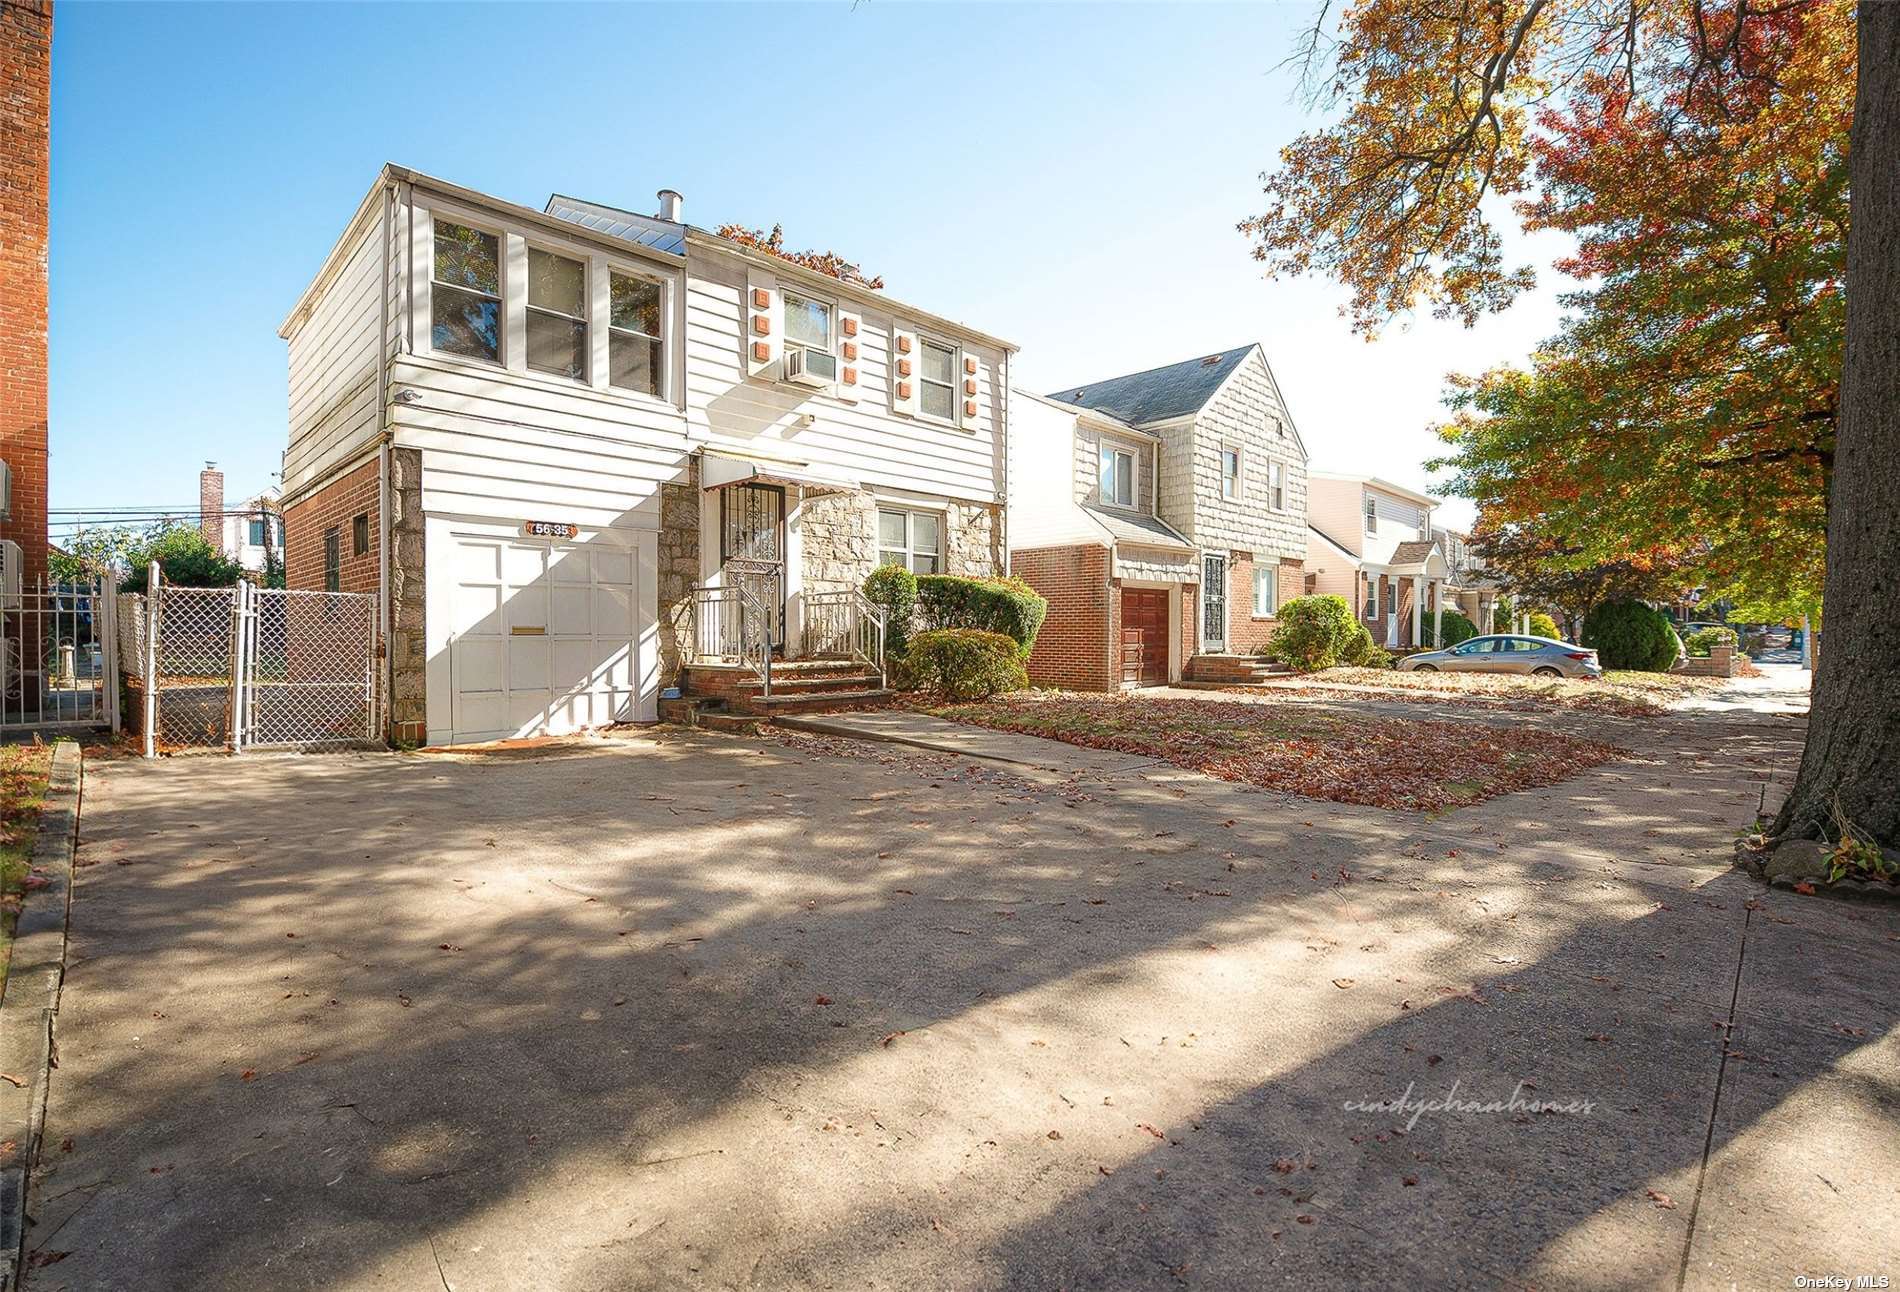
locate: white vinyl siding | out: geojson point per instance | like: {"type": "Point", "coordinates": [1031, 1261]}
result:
{"type": "Point", "coordinates": [333, 396]}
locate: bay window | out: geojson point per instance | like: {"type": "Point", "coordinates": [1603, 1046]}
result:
{"type": "Point", "coordinates": [635, 317]}
{"type": "Point", "coordinates": [937, 392]}
{"type": "Point", "coordinates": [465, 292]}
{"type": "Point", "coordinates": [912, 539]}
{"type": "Point", "coordinates": [557, 314]}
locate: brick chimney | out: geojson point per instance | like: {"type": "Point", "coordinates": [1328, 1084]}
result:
{"type": "Point", "coordinates": [211, 505]}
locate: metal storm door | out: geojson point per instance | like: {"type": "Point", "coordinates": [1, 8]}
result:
{"type": "Point", "coordinates": [1213, 602]}
{"type": "Point", "coordinates": [752, 548]}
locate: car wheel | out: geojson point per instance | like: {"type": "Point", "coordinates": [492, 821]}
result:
{"type": "Point", "coordinates": [1426, 668]}
{"type": "Point", "coordinates": [1545, 670]}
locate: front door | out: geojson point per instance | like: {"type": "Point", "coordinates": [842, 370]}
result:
{"type": "Point", "coordinates": [1144, 637]}
{"type": "Point", "coordinates": [1214, 602]}
{"type": "Point", "coordinates": [752, 548]}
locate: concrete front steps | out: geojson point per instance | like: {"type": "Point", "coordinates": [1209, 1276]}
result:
{"type": "Point", "coordinates": [1230, 670]}
{"type": "Point", "coordinates": [710, 692]}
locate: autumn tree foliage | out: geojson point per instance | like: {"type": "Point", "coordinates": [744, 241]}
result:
{"type": "Point", "coordinates": [1711, 395]}
{"type": "Point", "coordinates": [825, 262]}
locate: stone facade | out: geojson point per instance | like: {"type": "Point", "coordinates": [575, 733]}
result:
{"type": "Point", "coordinates": [838, 538]}
{"type": "Point", "coordinates": [679, 568]}
{"type": "Point", "coordinates": [408, 716]}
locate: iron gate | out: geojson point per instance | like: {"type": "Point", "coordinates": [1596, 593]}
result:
{"type": "Point", "coordinates": [248, 667]}
{"type": "Point", "coordinates": [58, 652]}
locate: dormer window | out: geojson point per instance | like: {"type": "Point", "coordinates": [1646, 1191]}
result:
{"type": "Point", "coordinates": [1117, 484]}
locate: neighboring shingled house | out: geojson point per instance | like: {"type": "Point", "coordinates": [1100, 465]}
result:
{"type": "Point", "coordinates": [1163, 514]}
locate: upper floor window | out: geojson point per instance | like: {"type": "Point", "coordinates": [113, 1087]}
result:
{"type": "Point", "coordinates": [807, 323]}
{"type": "Point", "coordinates": [1276, 485]}
{"type": "Point", "coordinates": [937, 391]}
{"type": "Point", "coordinates": [1117, 484]}
{"type": "Point", "coordinates": [259, 531]}
{"type": "Point", "coordinates": [1372, 514]}
{"type": "Point", "coordinates": [1229, 472]}
{"type": "Point", "coordinates": [332, 560]}
{"type": "Point", "coordinates": [912, 539]}
{"type": "Point", "coordinates": [465, 292]}
{"type": "Point", "coordinates": [557, 314]}
{"type": "Point", "coordinates": [634, 348]}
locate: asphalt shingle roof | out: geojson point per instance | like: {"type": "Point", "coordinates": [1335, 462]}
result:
{"type": "Point", "coordinates": [1127, 527]}
{"type": "Point", "coordinates": [1159, 393]}
{"type": "Point", "coordinates": [1412, 553]}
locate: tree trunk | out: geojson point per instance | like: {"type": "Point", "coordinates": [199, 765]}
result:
{"type": "Point", "coordinates": [1853, 748]}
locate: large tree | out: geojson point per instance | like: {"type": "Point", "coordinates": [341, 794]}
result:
{"type": "Point", "coordinates": [1693, 148]}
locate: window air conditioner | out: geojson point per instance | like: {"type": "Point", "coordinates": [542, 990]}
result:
{"type": "Point", "coordinates": [10, 564]}
{"type": "Point", "coordinates": [810, 367]}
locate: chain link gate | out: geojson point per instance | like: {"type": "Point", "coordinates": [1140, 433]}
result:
{"type": "Point", "coordinates": [250, 668]}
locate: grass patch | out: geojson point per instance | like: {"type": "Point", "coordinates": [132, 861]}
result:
{"type": "Point", "coordinates": [1405, 764]}
{"type": "Point", "coordinates": [23, 771]}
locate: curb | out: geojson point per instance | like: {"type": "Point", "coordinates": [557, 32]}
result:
{"type": "Point", "coordinates": [824, 727]}
{"type": "Point", "coordinates": [30, 1000]}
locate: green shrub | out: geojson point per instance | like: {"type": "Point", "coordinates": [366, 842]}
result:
{"type": "Point", "coordinates": [964, 663]}
{"type": "Point", "coordinates": [1007, 606]}
{"type": "Point", "coordinates": [1314, 633]}
{"type": "Point", "coordinates": [1703, 641]}
{"type": "Point", "coordinates": [1629, 634]}
{"type": "Point", "coordinates": [893, 589]}
{"type": "Point", "coordinates": [1501, 618]}
{"type": "Point", "coordinates": [186, 559]}
{"type": "Point", "coordinates": [1542, 625]}
{"type": "Point", "coordinates": [1452, 629]}
{"type": "Point", "coordinates": [1362, 652]}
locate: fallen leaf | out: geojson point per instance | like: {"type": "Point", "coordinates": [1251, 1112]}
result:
{"type": "Point", "coordinates": [1662, 1200]}
{"type": "Point", "coordinates": [1344, 984]}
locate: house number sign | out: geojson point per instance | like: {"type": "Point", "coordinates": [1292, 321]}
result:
{"type": "Point", "coordinates": [550, 529]}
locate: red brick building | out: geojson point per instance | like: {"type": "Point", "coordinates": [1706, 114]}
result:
{"type": "Point", "coordinates": [26, 50]}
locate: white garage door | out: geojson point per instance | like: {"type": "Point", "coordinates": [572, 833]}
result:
{"type": "Point", "coordinates": [542, 637]}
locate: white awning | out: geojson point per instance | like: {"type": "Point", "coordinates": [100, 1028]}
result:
{"type": "Point", "coordinates": [723, 470]}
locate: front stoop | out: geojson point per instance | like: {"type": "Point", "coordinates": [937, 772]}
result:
{"type": "Point", "coordinates": [798, 686]}
{"type": "Point", "coordinates": [1229, 670]}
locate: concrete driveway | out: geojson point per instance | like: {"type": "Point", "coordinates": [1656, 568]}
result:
{"type": "Point", "coordinates": [701, 1011]}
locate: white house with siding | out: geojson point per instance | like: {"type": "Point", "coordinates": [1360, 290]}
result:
{"type": "Point", "coordinates": [1371, 541]}
{"type": "Point", "coordinates": [575, 450]}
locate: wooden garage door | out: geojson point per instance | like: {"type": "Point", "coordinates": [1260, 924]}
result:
{"type": "Point", "coordinates": [543, 637]}
{"type": "Point", "coordinates": [1144, 637]}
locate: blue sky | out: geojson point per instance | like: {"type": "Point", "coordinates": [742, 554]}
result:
{"type": "Point", "coordinates": [1065, 176]}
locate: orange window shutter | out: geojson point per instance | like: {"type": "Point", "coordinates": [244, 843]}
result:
{"type": "Point", "coordinates": [850, 326]}
{"type": "Point", "coordinates": [969, 386]}
{"type": "Point", "coordinates": [850, 376]}
{"type": "Point", "coordinates": [969, 366]}
{"type": "Point", "coordinates": [761, 352]}
{"type": "Point", "coordinates": [903, 365]}
{"type": "Point", "coordinates": [761, 299]}
{"type": "Point", "coordinates": [903, 390]}
{"type": "Point", "coordinates": [903, 343]}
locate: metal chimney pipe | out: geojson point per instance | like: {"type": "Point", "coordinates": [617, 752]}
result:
{"type": "Point", "coordinates": [670, 200]}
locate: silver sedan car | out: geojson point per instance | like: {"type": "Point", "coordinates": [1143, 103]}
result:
{"type": "Point", "coordinates": [1508, 653]}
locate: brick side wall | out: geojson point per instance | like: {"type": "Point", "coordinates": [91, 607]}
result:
{"type": "Point", "coordinates": [1071, 650]}
{"type": "Point", "coordinates": [26, 47]}
{"type": "Point", "coordinates": [336, 504]}
{"type": "Point", "coordinates": [1247, 634]}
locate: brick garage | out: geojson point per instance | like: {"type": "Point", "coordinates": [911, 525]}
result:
{"type": "Point", "coordinates": [1247, 633]}
{"type": "Point", "coordinates": [26, 45]}
{"type": "Point", "coordinates": [335, 506]}
{"type": "Point", "coordinates": [1071, 650]}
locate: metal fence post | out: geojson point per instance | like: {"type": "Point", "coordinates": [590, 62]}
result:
{"type": "Point", "coordinates": [106, 612]}
{"type": "Point", "coordinates": [235, 723]}
{"type": "Point", "coordinates": [152, 599]}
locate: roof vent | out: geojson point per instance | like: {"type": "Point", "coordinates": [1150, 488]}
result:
{"type": "Point", "coordinates": [670, 200]}
{"type": "Point", "coordinates": [1210, 361]}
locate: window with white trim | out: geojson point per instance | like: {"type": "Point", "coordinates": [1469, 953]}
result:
{"type": "Point", "coordinates": [557, 314]}
{"type": "Point", "coordinates": [1266, 591]}
{"type": "Point", "coordinates": [636, 314]}
{"type": "Point", "coordinates": [937, 380]}
{"type": "Point", "coordinates": [807, 324]}
{"type": "Point", "coordinates": [1372, 514]}
{"type": "Point", "coordinates": [912, 539]}
{"type": "Point", "coordinates": [1116, 486]}
{"type": "Point", "coordinates": [1276, 485]}
{"type": "Point", "coordinates": [1372, 597]}
{"type": "Point", "coordinates": [1229, 471]}
{"type": "Point", "coordinates": [465, 292]}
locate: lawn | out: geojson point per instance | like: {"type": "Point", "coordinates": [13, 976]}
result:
{"type": "Point", "coordinates": [1408, 764]}
{"type": "Point", "coordinates": [1620, 693]}
{"type": "Point", "coordinates": [23, 770]}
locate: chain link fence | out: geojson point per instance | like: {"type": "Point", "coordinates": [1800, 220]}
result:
{"type": "Point", "coordinates": [249, 667]}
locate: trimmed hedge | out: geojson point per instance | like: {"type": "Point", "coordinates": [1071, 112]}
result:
{"type": "Point", "coordinates": [1703, 641]}
{"type": "Point", "coordinates": [1315, 632]}
{"type": "Point", "coordinates": [1007, 606]}
{"type": "Point", "coordinates": [1453, 628]}
{"type": "Point", "coordinates": [965, 663]}
{"type": "Point", "coordinates": [893, 589]}
{"type": "Point", "coordinates": [1629, 634]}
